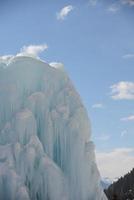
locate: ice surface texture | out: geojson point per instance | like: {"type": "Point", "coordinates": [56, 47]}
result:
{"type": "Point", "coordinates": [45, 147]}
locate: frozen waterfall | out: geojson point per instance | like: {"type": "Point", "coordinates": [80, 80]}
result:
{"type": "Point", "coordinates": [45, 147]}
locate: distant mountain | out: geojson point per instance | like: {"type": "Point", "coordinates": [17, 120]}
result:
{"type": "Point", "coordinates": [122, 189]}
{"type": "Point", "coordinates": [106, 182]}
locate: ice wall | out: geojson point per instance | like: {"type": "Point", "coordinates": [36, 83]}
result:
{"type": "Point", "coordinates": [45, 147]}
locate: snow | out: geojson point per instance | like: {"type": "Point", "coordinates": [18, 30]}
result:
{"type": "Point", "coordinates": [45, 147]}
{"type": "Point", "coordinates": [57, 65]}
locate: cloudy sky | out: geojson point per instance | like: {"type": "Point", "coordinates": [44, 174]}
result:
{"type": "Point", "coordinates": [95, 41]}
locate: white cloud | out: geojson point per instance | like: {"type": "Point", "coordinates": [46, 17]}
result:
{"type": "Point", "coordinates": [128, 2]}
{"type": "Point", "coordinates": [129, 118]}
{"type": "Point", "coordinates": [123, 133]}
{"type": "Point", "coordinates": [113, 8]}
{"type": "Point", "coordinates": [98, 105]}
{"type": "Point", "coordinates": [32, 50]}
{"type": "Point", "coordinates": [127, 56]}
{"type": "Point", "coordinates": [57, 65]}
{"type": "Point", "coordinates": [103, 137]}
{"type": "Point", "coordinates": [93, 2]}
{"type": "Point", "coordinates": [62, 14]}
{"type": "Point", "coordinates": [122, 90]}
{"type": "Point", "coordinates": [115, 163]}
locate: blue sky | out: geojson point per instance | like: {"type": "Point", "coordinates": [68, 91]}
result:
{"type": "Point", "coordinates": [95, 41]}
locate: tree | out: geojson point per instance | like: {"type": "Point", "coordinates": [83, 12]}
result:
{"type": "Point", "coordinates": [115, 197]}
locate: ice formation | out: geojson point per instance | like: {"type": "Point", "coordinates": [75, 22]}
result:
{"type": "Point", "coordinates": [45, 147]}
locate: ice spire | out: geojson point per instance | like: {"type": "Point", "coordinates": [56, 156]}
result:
{"type": "Point", "coordinates": [45, 148]}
